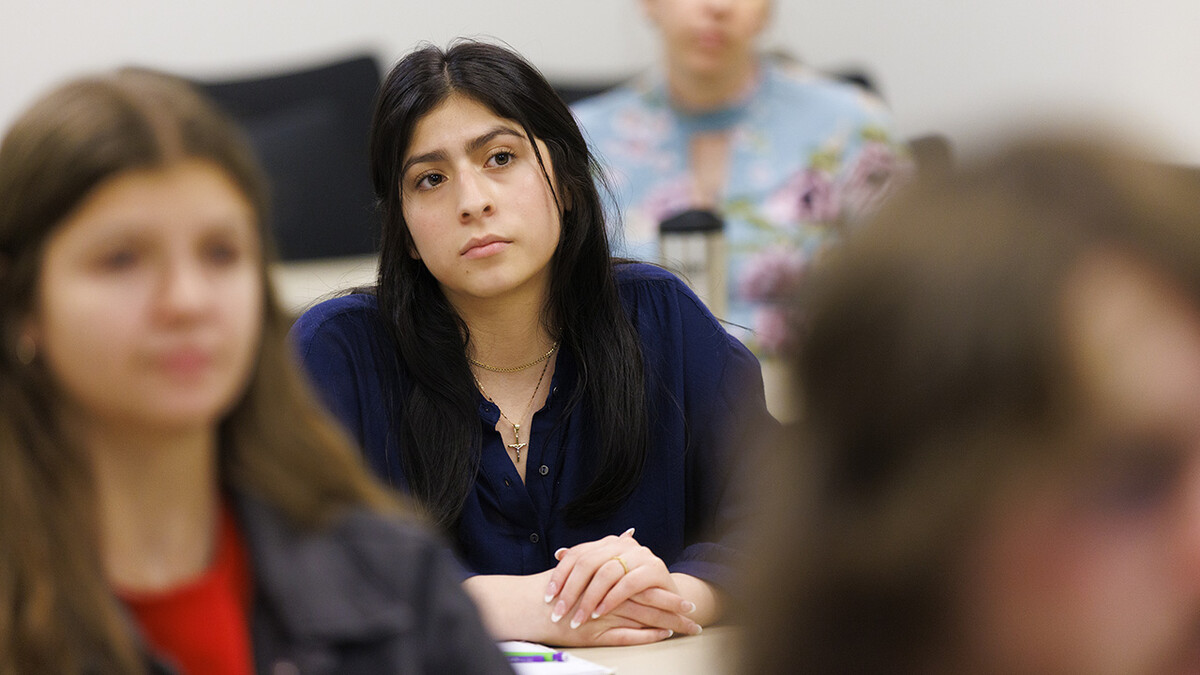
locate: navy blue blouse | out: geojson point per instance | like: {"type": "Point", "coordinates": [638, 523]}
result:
{"type": "Point", "coordinates": [705, 394]}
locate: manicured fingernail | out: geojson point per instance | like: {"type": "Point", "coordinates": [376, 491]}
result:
{"type": "Point", "coordinates": [595, 615]}
{"type": "Point", "coordinates": [687, 607]}
{"type": "Point", "coordinates": [667, 634]}
{"type": "Point", "coordinates": [559, 553]}
{"type": "Point", "coordinates": [578, 620]}
{"type": "Point", "coordinates": [559, 610]}
{"type": "Point", "coordinates": [698, 629]}
{"type": "Point", "coordinates": [551, 591]}
{"type": "Point", "coordinates": [627, 533]}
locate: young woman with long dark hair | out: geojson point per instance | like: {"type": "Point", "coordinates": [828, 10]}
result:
{"type": "Point", "coordinates": [570, 419]}
{"type": "Point", "coordinates": [170, 492]}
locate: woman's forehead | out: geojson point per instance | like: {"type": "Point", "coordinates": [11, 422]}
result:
{"type": "Point", "coordinates": [456, 119]}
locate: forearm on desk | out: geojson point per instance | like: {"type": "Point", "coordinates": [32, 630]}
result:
{"type": "Point", "coordinates": [509, 605]}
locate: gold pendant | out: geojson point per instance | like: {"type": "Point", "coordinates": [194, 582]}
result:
{"type": "Point", "coordinates": [517, 445]}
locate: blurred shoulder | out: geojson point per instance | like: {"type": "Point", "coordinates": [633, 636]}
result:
{"type": "Point", "coordinates": [633, 274]}
{"type": "Point", "coordinates": [385, 542]}
{"type": "Point", "coordinates": [358, 552]}
{"type": "Point", "coordinates": [613, 97]}
{"type": "Point", "coordinates": [353, 304]}
{"type": "Point", "coordinates": [657, 295]}
{"type": "Point", "coordinates": [794, 83]}
{"type": "Point", "coordinates": [603, 107]}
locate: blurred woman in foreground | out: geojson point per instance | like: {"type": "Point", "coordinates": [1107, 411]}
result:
{"type": "Point", "coordinates": [1001, 446]}
{"type": "Point", "coordinates": [169, 491]}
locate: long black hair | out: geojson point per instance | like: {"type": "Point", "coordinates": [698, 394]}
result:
{"type": "Point", "coordinates": [436, 417]}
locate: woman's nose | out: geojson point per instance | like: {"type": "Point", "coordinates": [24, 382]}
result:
{"type": "Point", "coordinates": [474, 197]}
{"type": "Point", "coordinates": [184, 289]}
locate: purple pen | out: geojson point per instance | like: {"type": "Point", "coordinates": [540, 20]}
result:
{"type": "Point", "coordinates": [534, 657]}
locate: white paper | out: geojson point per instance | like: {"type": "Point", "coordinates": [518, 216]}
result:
{"type": "Point", "coordinates": [571, 665]}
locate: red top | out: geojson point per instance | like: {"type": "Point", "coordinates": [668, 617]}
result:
{"type": "Point", "coordinates": [203, 624]}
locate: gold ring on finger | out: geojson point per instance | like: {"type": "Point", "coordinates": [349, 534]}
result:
{"type": "Point", "coordinates": [623, 565]}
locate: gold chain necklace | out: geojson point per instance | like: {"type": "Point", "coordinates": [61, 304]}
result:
{"type": "Point", "coordinates": [517, 369]}
{"type": "Point", "coordinates": [517, 444]}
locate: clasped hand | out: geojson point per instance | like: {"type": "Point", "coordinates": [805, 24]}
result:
{"type": "Point", "coordinates": [617, 579]}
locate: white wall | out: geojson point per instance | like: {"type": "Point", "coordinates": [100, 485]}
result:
{"type": "Point", "coordinates": [967, 68]}
{"type": "Point", "coordinates": [970, 68]}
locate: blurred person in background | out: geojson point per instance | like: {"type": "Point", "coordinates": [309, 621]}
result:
{"type": "Point", "coordinates": [998, 467]}
{"type": "Point", "coordinates": [782, 157]}
{"type": "Point", "coordinates": [171, 495]}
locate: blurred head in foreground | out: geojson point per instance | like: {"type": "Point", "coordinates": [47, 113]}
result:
{"type": "Point", "coordinates": [998, 469]}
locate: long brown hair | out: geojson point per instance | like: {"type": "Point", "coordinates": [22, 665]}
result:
{"type": "Point", "coordinates": [934, 368]}
{"type": "Point", "coordinates": [57, 614]}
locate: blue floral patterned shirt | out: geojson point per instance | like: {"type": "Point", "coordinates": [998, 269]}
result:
{"type": "Point", "coordinates": [807, 155]}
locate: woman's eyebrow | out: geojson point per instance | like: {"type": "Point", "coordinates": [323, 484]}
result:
{"type": "Point", "coordinates": [498, 130]}
{"type": "Point", "coordinates": [432, 156]}
{"type": "Point", "coordinates": [472, 146]}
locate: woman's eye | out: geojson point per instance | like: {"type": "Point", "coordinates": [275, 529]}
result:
{"type": "Point", "coordinates": [429, 181]}
{"type": "Point", "coordinates": [1144, 478]}
{"type": "Point", "coordinates": [221, 253]}
{"type": "Point", "coordinates": [121, 259]}
{"type": "Point", "coordinates": [501, 158]}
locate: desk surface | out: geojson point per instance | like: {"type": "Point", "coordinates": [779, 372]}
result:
{"type": "Point", "coordinates": [709, 653]}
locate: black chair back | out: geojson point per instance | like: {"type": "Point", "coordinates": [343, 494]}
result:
{"type": "Point", "coordinates": [310, 130]}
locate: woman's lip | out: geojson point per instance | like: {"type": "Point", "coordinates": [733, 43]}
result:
{"type": "Point", "coordinates": [485, 249]}
{"type": "Point", "coordinates": [711, 39]}
{"type": "Point", "coordinates": [186, 362]}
